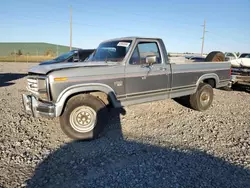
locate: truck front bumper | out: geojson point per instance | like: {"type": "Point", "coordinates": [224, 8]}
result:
{"type": "Point", "coordinates": [242, 80]}
{"type": "Point", "coordinates": [37, 108]}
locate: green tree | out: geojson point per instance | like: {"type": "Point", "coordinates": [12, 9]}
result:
{"type": "Point", "coordinates": [49, 52]}
{"type": "Point", "coordinates": [19, 52]}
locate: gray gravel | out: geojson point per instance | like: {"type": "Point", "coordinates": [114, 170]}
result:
{"type": "Point", "coordinates": [160, 144]}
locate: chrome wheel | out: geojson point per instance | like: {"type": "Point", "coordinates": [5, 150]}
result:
{"type": "Point", "coordinates": [83, 119]}
{"type": "Point", "coordinates": [204, 98]}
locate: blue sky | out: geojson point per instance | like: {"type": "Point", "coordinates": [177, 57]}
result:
{"type": "Point", "coordinates": [177, 22]}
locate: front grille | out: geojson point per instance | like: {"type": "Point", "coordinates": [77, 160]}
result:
{"type": "Point", "coordinates": [32, 84]}
{"type": "Point", "coordinates": [243, 71]}
{"type": "Point", "coordinates": [36, 84]}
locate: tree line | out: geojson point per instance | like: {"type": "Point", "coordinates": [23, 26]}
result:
{"type": "Point", "coordinates": [48, 52]}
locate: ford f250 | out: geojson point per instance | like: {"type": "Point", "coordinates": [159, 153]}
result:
{"type": "Point", "coordinates": [120, 72]}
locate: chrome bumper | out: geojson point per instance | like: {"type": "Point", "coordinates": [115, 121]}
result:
{"type": "Point", "coordinates": [37, 108]}
{"type": "Point", "coordinates": [242, 80]}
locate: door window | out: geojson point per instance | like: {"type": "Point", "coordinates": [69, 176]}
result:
{"type": "Point", "coordinates": [143, 50]}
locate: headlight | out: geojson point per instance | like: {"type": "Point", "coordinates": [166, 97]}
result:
{"type": "Point", "coordinates": [44, 96]}
{"type": "Point", "coordinates": [38, 86]}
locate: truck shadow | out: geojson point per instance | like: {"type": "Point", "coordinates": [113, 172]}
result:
{"type": "Point", "coordinates": [241, 88]}
{"type": "Point", "coordinates": [237, 87]}
{"type": "Point", "coordinates": [7, 78]}
{"type": "Point", "coordinates": [117, 160]}
{"type": "Point", "coordinates": [183, 101]}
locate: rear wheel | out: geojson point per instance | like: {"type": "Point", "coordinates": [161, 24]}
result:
{"type": "Point", "coordinates": [84, 117]}
{"type": "Point", "coordinates": [203, 98]}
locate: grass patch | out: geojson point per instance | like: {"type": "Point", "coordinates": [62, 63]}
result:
{"type": "Point", "coordinates": [24, 58]}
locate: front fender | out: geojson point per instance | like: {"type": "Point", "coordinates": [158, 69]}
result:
{"type": "Point", "coordinates": [65, 94]}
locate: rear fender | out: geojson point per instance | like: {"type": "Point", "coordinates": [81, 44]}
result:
{"type": "Point", "coordinates": [208, 76]}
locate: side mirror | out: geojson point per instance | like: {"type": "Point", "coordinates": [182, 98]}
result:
{"type": "Point", "coordinates": [150, 60]}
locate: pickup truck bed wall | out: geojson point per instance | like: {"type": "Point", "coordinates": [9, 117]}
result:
{"type": "Point", "coordinates": [189, 74]}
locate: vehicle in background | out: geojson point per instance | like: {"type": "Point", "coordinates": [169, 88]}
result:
{"type": "Point", "coordinates": [188, 57]}
{"type": "Point", "coordinates": [215, 56]}
{"type": "Point", "coordinates": [242, 61]}
{"type": "Point", "coordinates": [120, 72]}
{"type": "Point", "coordinates": [230, 56]}
{"type": "Point", "coordinates": [196, 59]}
{"type": "Point", "coordinates": [78, 55]}
{"type": "Point", "coordinates": [240, 68]}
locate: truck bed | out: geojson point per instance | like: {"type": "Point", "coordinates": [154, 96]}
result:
{"type": "Point", "coordinates": [183, 60]}
{"type": "Point", "coordinates": [181, 72]}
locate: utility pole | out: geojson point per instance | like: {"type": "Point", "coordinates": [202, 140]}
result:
{"type": "Point", "coordinates": [70, 28]}
{"type": "Point", "coordinates": [203, 37]}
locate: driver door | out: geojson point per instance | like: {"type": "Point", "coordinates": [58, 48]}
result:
{"type": "Point", "coordinates": [142, 79]}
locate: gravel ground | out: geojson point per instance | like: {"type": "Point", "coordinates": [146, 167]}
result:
{"type": "Point", "coordinates": [160, 144]}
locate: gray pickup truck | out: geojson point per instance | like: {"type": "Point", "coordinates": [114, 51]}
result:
{"type": "Point", "coordinates": [121, 72]}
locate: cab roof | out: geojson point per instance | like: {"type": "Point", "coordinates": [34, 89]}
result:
{"type": "Point", "coordinates": [132, 38]}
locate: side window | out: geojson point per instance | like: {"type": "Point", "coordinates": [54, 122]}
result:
{"type": "Point", "coordinates": [74, 58]}
{"type": "Point", "coordinates": [70, 59]}
{"type": "Point", "coordinates": [83, 55]}
{"type": "Point", "coordinates": [135, 58]}
{"type": "Point", "coordinates": [143, 50]}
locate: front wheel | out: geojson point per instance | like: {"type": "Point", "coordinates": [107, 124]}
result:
{"type": "Point", "coordinates": [203, 98]}
{"type": "Point", "coordinates": [84, 117]}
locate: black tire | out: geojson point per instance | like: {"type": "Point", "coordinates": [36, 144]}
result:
{"type": "Point", "coordinates": [90, 104]}
{"type": "Point", "coordinates": [196, 101]}
{"type": "Point", "coordinates": [215, 56]}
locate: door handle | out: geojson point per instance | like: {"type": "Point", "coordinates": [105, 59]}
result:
{"type": "Point", "coordinates": [147, 66]}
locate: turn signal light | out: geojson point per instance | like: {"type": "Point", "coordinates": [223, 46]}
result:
{"type": "Point", "coordinates": [61, 79]}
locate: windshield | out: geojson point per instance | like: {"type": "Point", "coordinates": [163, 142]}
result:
{"type": "Point", "coordinates": [244, 56]}
{"type": "Point", "coordinates": [111, 51]}
{"type": "Point", "coordinates": [65, 56]}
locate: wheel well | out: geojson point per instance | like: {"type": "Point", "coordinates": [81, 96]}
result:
{"type": "Point", "coordinates": [210, 81]}
{"type": "Point", "coordinates": [99, 94]}
{"type": "Point", "coordinates": [102, 96]}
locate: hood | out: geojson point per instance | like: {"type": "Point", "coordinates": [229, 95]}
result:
{"type": "Point", "coordinates": [46, 68]}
